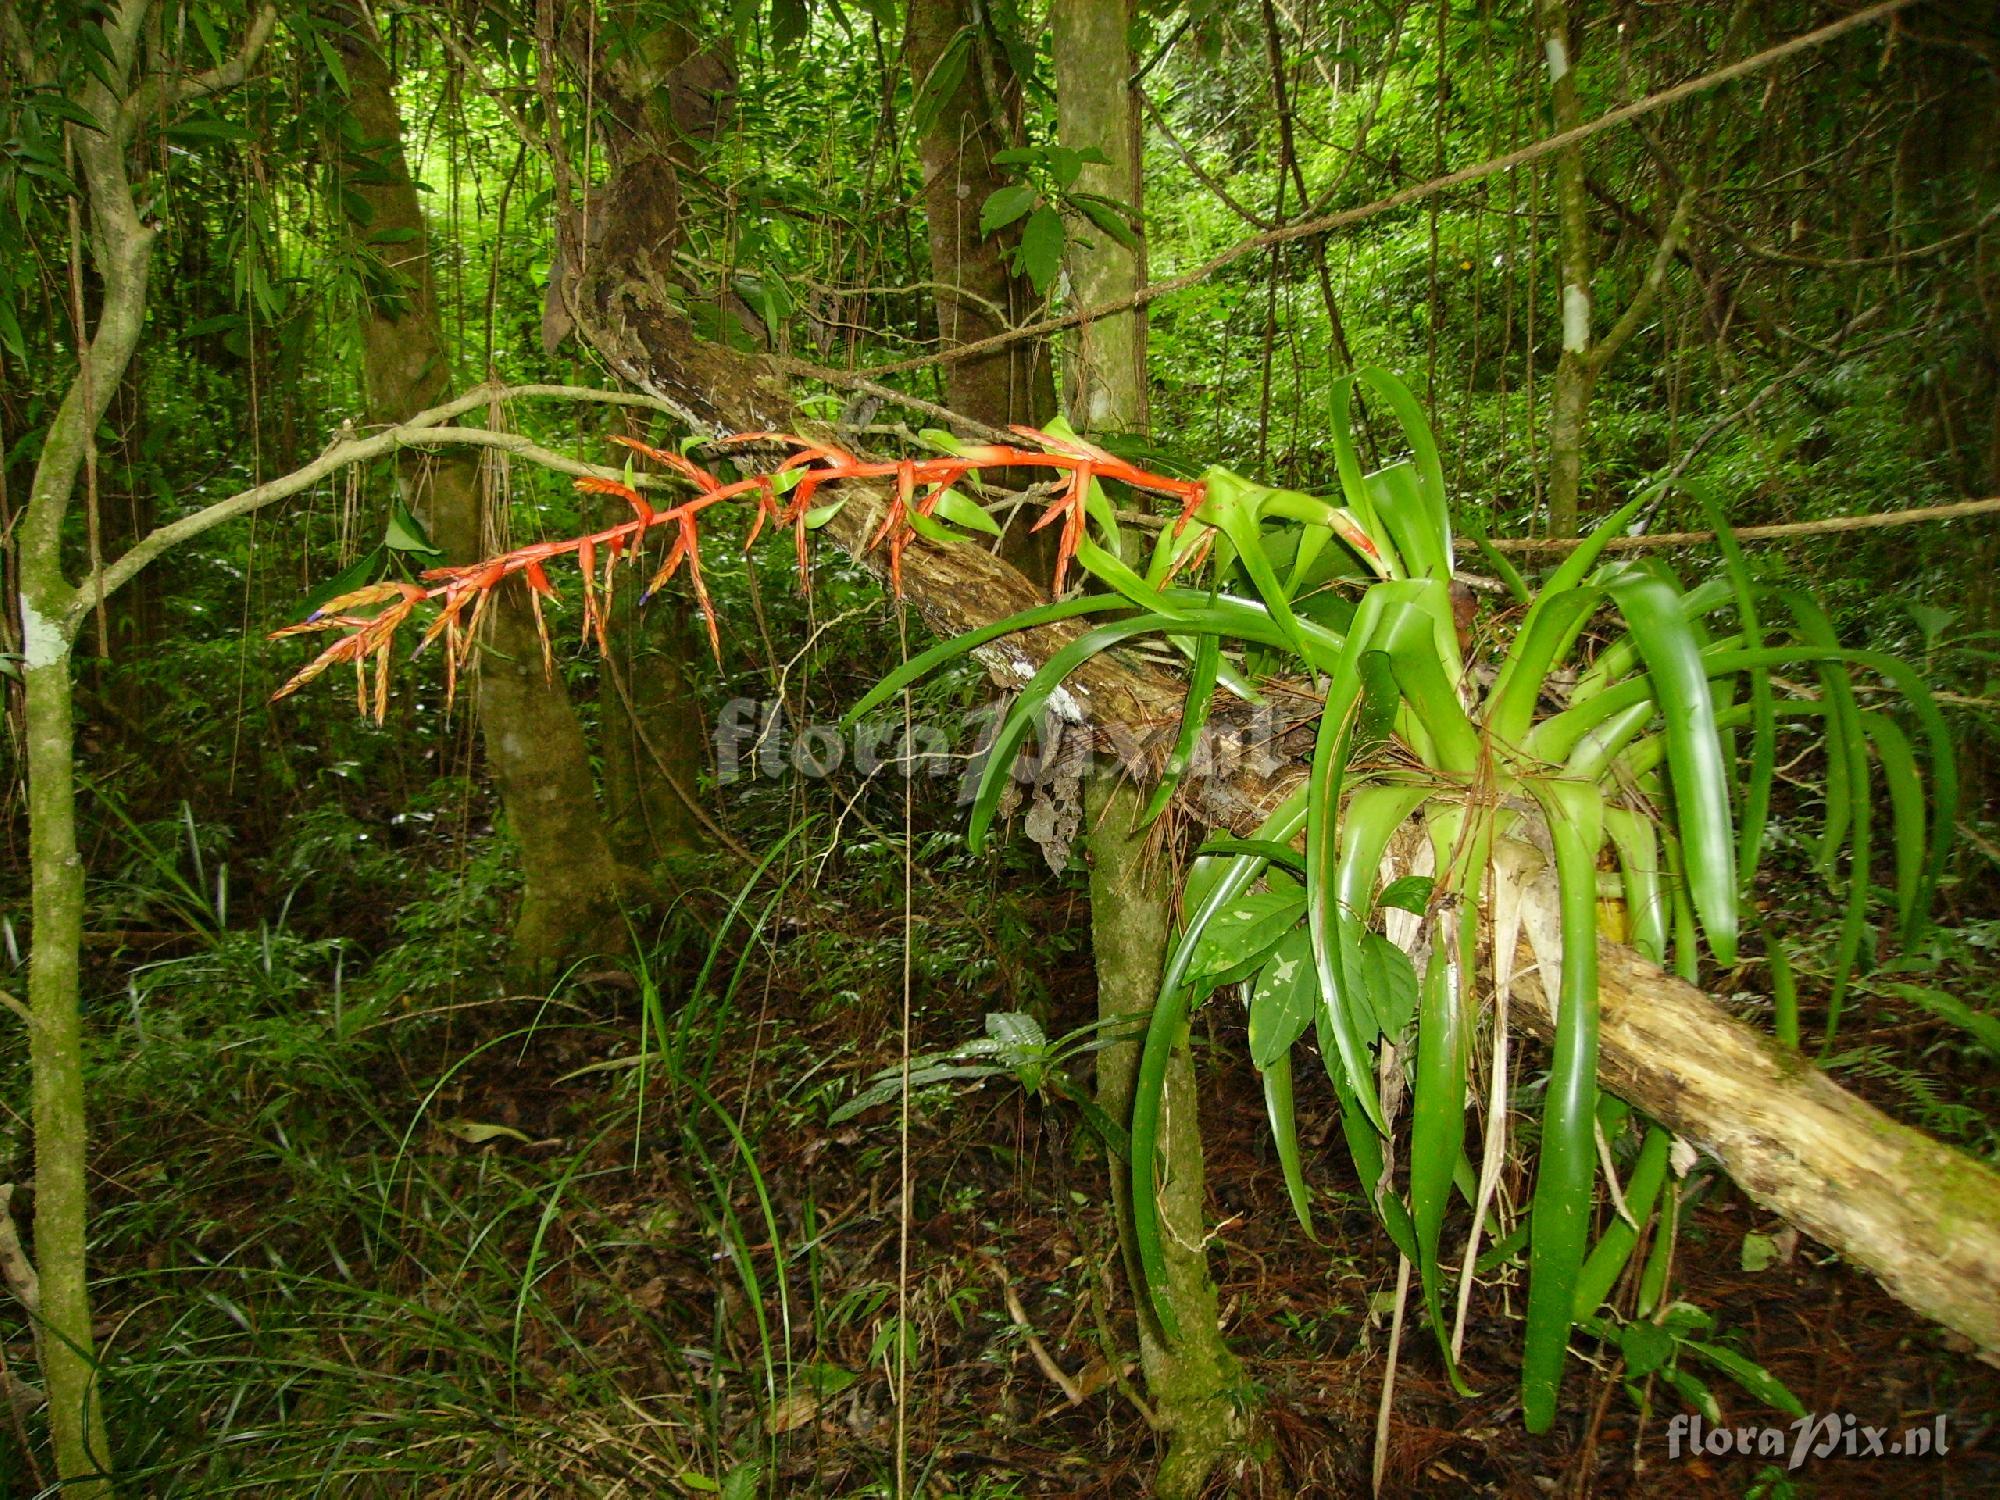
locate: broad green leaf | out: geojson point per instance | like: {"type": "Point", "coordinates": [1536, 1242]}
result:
{"type": "Point", "coordinates": [1004, 205]}
{"type": "Point", "coordinates": [1041, 248]}
{"type": "Point", "coordinates": [1244, 931]}
{"type": "Point", "coordinates": [1284, 999]}
{"type": "Point", "coordinates": [1025, 714]}
{"type": "Point", "coordinates": [1110, 218]}
{"type": "Point", "coordinates": [1410, 893]}
{"type": "Point", "coordinates": [1392, 983]}
{"type": "Point", "coordinates": [942, 82]}
{"type": "Point", "coordinates": [960, 511]}
{"type": "Point", "coordinates": [406, 533]}
{"type": "Point", "coordinates": [357, 574]}
{"type": "Point", "coordinates": [1646, 1347]}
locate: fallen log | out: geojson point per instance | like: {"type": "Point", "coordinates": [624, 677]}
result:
{"type": "Point", "coordinates": [1922, 1217]}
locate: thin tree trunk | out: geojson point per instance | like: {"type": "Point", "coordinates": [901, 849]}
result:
{"type": "Point", "coordinates": [977, 295]}
{"type": "Point", "coordinates": [1584, 357]}
{"type": "Point", "coordinates": [119, 244]}
{"type": "Point", "coordinates": [974, 291]}
{"type": "Point", "coordinates": [1575, 375]}
{"type": "Point", "coordinates": [1105, 383]}
{"type": "Point", "coordinates": [121, 249]}
{"type": "Point", "coordinates": [654, 746]}
{"type": "Point", "coordinates": [1193, 1380]}
{"type": "Point", "coordinates": [534, 746]}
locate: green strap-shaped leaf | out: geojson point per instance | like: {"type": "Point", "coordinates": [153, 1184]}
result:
{"type": "Point", "coordinates": [1638, 844]}
{"type": "Point", "coordinates": [1364, 1148]}
{"type": "Point", "coordinates": [1614, 1247]}
{"type": "Point", "coordinates": [1552, 622]}
{"type": "Point", "coordinates": [1353, 483]}
{"type": "Point", "coordinates": [1437, 1124]}
{"type": "Point", "coordinates": [1784, 987]}
{"type": "Point", "coordinates": [1906, 816]}
{"type": "Point", "coordinates": [1566, 1169]}
{"type": "Point", "coordinates": [1417, 634]}
{"type": "Point", "coordinates": [1701, 785]}
{"type": "Point", "coordinates": [1360, 706]}
{"type": "Point", "coordinates": [1285, 1136]}
{"type": "Point", "coordinates": [1233, 508]}
{"type": "Point", "coordinates": [1433, 556]}
{"type": "Point", "coordinates": [1025, 713]}
{"type": "Point", "coordinates": [1763, 722]}
{"type": "Point", "coordinates": [1849, 809]}
{"type": "Point", "coordinates": [1194, 716]}
{"type": "Point", "coordinates": [923, 664]}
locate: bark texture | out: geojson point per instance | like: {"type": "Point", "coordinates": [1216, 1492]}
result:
{"type": "Point", "coordinates": [121, 250]}
{"type": "Point", "coordinates": [1105, 380]}
{"type": "Point", "coordinates": [1923, 1218]}
{"type": "Point", "coordinates": [1195, 1382]}
{"type": "Point", "coordinates": [974, 291]}
{"type": "Point", "coordinates": [571, 904]}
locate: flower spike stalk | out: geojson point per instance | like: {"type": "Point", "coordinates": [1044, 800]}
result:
{"type": "Point", "coordinates": [920, 484]}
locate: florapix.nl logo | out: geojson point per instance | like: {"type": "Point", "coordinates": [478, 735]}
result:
{"type": "Point", "coordinates": [759, 738]}
{"type": "Point", "coordinates": [1815, 1435]}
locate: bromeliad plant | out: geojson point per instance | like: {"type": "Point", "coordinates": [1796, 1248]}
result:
{"type": "Point", "coordinates": [1443, 788]}
{"type": "Point", "coordinates": [1602, 731]}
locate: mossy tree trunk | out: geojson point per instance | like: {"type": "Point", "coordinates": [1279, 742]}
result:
{"type": "Point", "coordinates": [118, 247]}
{"type": "Point", "coordinates": [535, 749]}
{"type": "Point", "coordinates": [1193, 1379]}
{"type": "Point", "coordinates": [1104, 378]}
{"type": "Point", "coordinates": [651, 731]}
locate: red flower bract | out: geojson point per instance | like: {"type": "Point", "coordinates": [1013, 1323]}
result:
{"type": "Point", "coordinates": [470, 586]}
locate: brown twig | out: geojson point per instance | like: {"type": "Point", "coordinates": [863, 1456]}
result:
{"type": "Point", "coordinates": [1869, 521]}
{"type": "Point", "coordinates": [1019, 1316]}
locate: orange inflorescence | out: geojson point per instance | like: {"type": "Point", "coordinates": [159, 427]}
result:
{"type": "Point", "coordinates": [464, 593]}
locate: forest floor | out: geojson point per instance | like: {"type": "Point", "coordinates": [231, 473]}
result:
{"type": "Point", "coordinates": [476, 1247]}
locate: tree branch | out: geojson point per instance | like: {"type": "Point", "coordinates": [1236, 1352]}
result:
{"type": "Point", "coordinates": [425, 430]}
{"type": "Point", "coordinates": [1606, 349]}
{"type": "Point", "coordinates": [1869, 521]}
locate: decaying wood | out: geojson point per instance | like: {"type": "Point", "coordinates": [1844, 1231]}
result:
{"type": "Point", "coordinates": [1921, 1216]}
{"type": "Point", "coordinates": [1925, 1219]}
